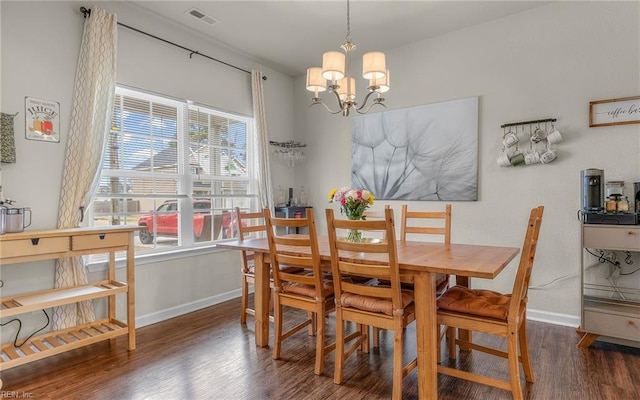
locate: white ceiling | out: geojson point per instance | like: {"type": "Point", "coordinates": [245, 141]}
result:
{"type": "Point", "coordinates": [290, 36]}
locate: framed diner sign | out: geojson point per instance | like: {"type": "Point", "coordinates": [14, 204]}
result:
{"type": "Point", "coordinates": [42, 119]}
{"type": "Point", "coordinates": [614, 112]}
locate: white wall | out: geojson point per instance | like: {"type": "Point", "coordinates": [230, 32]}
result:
{"type": "Point", "coordinates": [548, 62]}
{"type": "Point", "coordinates": [40, 45]}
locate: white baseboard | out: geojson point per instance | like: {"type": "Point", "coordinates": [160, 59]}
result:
{"type": "Point", "coordinates": [148, 319]}
{"type": "Point", "coordinates": [173, 312]}
{"type": "Point", "coordinates": [553, 318]}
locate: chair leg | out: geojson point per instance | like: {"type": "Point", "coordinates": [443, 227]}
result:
{"type": "Point", "coordinates": [524, 352]}
{"type": "Point", "coordinates": [376, 337]}
{"type": "Point", "coordinates": [277, 337]}
{"type": "Point", "coordinates": [245, 300]}
{"type": "Point", "coordinates": [514, 364]}
{"type": "Point", "coordinates": [440, 336]}
{"type": "Point", "coordinates": [364, 331]}
{"type": "Point", "coordinates": [396, 393]}
{"type": "Point", "coordinates": [451, 341]}
{"type": "Point", "coordinates": [339, 359]}
{"type": "Point", "coordinates": [313, 327]}
{"type": "Point", "coordinates": [320, 333]}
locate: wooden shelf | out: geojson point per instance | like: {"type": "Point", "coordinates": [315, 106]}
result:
{"type": "Point", "coordinates": [609, 310]}
{"type": "Point", "coordinates": [31, 246]}
{"type": "Point", "coordinates": [58, 342]}
{"type": "Point", "coordinates": [24, 303]}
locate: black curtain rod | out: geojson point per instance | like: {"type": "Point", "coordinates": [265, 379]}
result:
{"type": "Point", "coordinates": [87, 12]}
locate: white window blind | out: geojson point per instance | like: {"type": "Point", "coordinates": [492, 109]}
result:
{"type": "Point", "coordinates": [177, 168]}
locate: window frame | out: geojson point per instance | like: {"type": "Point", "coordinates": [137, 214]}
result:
{"type": "Point", "coordinates": [185, 196]}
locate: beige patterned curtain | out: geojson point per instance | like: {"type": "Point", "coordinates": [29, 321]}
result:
{"type": "Point", "coordinates": [7, 139]}
{"type": "Point", "coordinates": [264, 171]}
{"type": "Point", "coordinates": [93, 96]}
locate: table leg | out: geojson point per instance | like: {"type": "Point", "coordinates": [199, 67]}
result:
{"type": "Point", "coordinates": [131, 297]}
{"type": "Point", "coordinates": [261, 300]}
{"type": "Point", "coordinates": [426, 335]}
{"type": "Point", "coordinates": [464, 334]}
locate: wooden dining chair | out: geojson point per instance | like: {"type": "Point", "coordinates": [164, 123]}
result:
{"type": "Point", "coordinates": [378, 214]}
{"type": "Point", "coordinates": [369, 214]}
{"type": "Point", "coordinates": [386, 307]}
{"type": "Point", "coordinates": [251, 225]}
{"type": "Point", "coordinates": [248, 224]}
{"type": "Point", "coordinates": [432, 223]}
{"type": "Point", "coordinates": [307, 290]}
{"type": "Point", "coordinates": [496, 314]}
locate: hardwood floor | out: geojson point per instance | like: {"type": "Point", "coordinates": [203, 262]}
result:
{"type": "Point", "coordinates": [209, 355]}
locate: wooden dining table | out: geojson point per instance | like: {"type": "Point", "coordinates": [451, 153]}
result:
{"type": "Point", "coordinates": [419, 262]}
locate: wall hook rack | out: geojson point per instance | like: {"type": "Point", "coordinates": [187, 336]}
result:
{"type": "Point", "coordinates": [532, 147]}
{"type": "Point", "coordinates": [290, 152]}
{"type": "Point", "coordinates": [535, 121]}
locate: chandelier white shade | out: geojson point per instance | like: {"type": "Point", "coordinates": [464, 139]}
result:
{"type": "Point", "coordinates": [335, 75]}
{"type": "Point", "coordinates": [373, 65]}
{"type": "Point", "coordinates": [347, 89]}
{"type": "Point", "coordinates": [382, 83]}
{"type": "Point", "coordinates": [315, 81]}
{"type": "Point", "coordinates": [333, 65]}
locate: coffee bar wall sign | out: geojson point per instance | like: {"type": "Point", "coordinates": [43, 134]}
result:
{"type": "Point", "coordinates": [529, 142]}
{"type": "Point", "coordinates": [614, 112]}
{"type": "Point", "coordinates": [42, 119]}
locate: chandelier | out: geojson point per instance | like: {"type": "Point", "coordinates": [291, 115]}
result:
{"type": "Point", "coordinates": [335, 74]}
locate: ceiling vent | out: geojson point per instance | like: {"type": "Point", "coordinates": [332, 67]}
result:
{"type": "Point", "coordinates": [194, 12]}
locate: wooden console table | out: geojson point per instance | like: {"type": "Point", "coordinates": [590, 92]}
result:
{"type": "Point", "coordinates": [604, 311]}
{"type": "Point", "coordinates": [59, 243]}
{"type": "Point", "coordinates": [291, 212]}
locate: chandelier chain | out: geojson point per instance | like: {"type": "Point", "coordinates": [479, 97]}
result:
{"type": "Point", "coordinates": [348, 37]}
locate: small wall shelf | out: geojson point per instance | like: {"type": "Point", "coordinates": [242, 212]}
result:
{"type": "Point", "coordinates": [290, 152]}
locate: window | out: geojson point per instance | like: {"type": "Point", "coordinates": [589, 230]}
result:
{"type": "Point", "coordinates": [176, 168]}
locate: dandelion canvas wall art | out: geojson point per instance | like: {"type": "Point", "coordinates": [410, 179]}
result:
{"type": "Point", "coordinates": [427, 152]}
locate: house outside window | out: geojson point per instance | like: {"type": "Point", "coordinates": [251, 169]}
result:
{"type": "Point", "coordinates": [175, 168]}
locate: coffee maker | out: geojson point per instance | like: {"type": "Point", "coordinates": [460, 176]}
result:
{"type": "Point", "coordinates": [593, 200]}
{"type": "Point", "coordinates": [592, 190]}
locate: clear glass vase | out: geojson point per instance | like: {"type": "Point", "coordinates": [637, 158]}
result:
{"type": "Point", "coordinates": [355, 235]}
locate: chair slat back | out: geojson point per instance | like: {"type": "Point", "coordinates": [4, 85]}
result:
{"type": "Point", "coordinates": [295, 250]}
{"type": "Point", "coordinates": [369, 214]}
{"type": "Point", "coordinates": [519, 295]}
{"type": "Point", "coordinates": [374, 259]}
{"type": "Point", "coordinates": [248, 224]}
{"type": "Point", "coordinates": [408, 217]}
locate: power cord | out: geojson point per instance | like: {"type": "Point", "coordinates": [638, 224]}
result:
{"type": "Point", "coordinates": [15, 340]}
{"type": "Point", "coordinates": [630, 273]}
{"type": "Point", "coordinates": [612, 259]}
{"type": "Point", "coordinates": [546, 285]}
{"type": "Point", "coordinates": [605, 257]}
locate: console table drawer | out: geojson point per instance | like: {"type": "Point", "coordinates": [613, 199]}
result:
{"type": "Point", "coordinates": [614, 238]}
{"type": "Point", "coordinates": [35, 246]}
{"type": "Point", "coordinates": [99, 241]}
{"type": "Point", "coordinates": [624, 327]}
